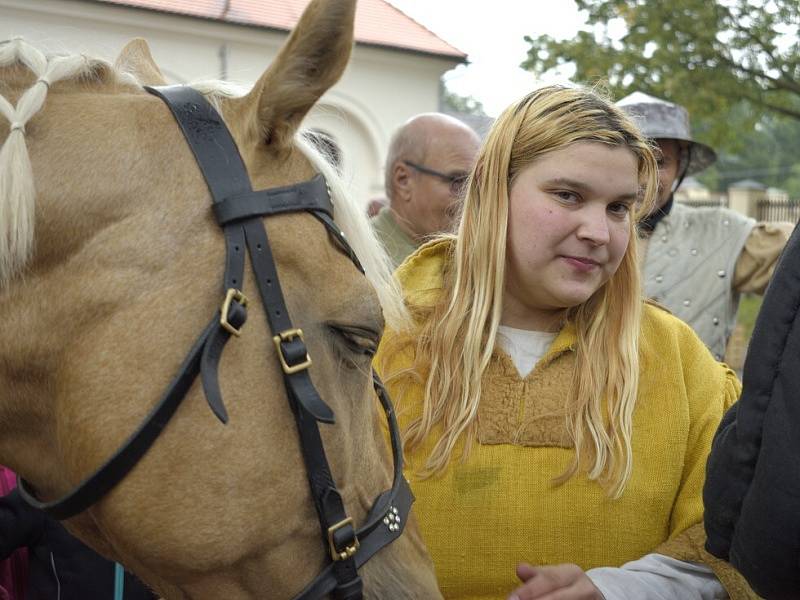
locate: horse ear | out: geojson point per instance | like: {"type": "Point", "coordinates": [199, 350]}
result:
{"type": "Point", "coordinates": [135, 58]}
{"type": "Point", "coordinates": [310, 62]}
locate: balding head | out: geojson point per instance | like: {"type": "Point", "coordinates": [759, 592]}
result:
{"type": "Point", "coordinates": [421, 201]}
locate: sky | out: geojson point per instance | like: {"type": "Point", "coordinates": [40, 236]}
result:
{"type": "Point", "coordinates": [491, 33]}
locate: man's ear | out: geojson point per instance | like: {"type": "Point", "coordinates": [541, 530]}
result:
{"type": "Point", "coordinates": [402, 181]}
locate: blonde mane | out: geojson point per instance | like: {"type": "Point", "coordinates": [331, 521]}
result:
{"type": "Point", "coordinates": [352, 218]}
{"type": "Point", "coordinates": [17, 191]}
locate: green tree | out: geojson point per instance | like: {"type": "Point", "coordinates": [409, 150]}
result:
{"type": "Point", "coordinates": [792, 183]}
{"type": "Point", "coordinates": [708, 55]}
{"type": "Point", "coordinates": [768, 151]}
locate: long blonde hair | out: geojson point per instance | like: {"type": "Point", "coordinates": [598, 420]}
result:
{"type": "Point", "coordinates": [456, 337]}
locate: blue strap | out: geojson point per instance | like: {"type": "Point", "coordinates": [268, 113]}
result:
{"type": "Point", "coordinates": [119, 581]}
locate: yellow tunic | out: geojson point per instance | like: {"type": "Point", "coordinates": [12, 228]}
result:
{"type": "Point", "coordinates": [499, 508]}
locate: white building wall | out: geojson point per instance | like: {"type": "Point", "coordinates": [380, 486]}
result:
{"type": "Point", "coordinates": [380, 89]}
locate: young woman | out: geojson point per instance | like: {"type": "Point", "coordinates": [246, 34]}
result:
{"type": "Point", "coordinates": [551, 417]}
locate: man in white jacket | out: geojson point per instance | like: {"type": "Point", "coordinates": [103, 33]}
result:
{"type": "Point", "coordinates": [697, 261]}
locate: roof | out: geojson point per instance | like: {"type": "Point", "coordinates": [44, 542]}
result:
{"type": "Point", "coordinates": [378, 23]}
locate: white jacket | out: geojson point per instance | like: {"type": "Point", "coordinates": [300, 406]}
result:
{"type": "Point", "coordinates": [689, 268]}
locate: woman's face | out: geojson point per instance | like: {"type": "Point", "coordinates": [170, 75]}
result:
{"type": "Point", "coordinates": [568, 229]}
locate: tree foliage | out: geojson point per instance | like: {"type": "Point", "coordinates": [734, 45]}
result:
{"type": "Point", "coordinates": [707, 55]}
{"type": "Point", "coordinates": [771, 155]}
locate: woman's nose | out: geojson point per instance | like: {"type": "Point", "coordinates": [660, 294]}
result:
{"type": "Point", "coordinates": [594, 227]}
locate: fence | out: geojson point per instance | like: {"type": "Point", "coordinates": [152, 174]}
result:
{"type": "Point", "coordinates": [779, 210]}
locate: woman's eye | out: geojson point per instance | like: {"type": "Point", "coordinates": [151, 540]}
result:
{"type": "Point", "coordinates": [619, 208]}
{"type": "Point", "coordinates": [566, 196]}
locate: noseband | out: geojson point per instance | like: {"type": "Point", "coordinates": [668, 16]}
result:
{"type": "Point", "coordinates": [239, 211]}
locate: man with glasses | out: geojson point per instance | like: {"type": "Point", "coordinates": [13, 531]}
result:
{"type": "Point", "coordinates": [427, 165]}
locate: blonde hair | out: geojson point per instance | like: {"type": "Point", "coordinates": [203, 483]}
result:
{"type": "Point", "coordinates": [457, 336]}
{"type": "Point", "coordinates": [352, 218]}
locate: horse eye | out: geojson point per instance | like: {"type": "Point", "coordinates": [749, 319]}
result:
{"type": "Point", "coordinates": [359, 340]}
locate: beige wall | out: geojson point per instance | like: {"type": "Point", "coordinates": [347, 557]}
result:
{"type": "Point", "coordinates": [380, 89]}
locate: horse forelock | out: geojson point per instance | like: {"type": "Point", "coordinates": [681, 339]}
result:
{"type": "Point", "coordinates": [17, 192]}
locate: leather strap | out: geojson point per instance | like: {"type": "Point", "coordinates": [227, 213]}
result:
{"type": "Point", "coordinates": [293, 350]}
{"type": "Point", "coordinates": [371, 542]}
{"type": "Point", "coordinates": [338, 238]}
{"type": "Point", "coordinates": [310, 195]}
{"type": "Point", "coordinates": [209, 362]}
{"type": "Point", "coordinates": [219, 160]}
{"type": "Point", "coordinates": [386, 519]}
{"type": "Point", "coordinates": [308, 408]}
{"type": "Point", "coordinates": [99, 483]}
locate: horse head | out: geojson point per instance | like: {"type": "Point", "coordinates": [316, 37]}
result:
{"type": "Point", "coordinates": [110, 265]}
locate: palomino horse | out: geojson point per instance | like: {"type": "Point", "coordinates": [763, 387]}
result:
{"type": "Point", "coordinates": [112, 268]}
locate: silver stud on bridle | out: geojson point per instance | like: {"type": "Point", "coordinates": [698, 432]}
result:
{"type": "Point", "coordinates": [392, 519]}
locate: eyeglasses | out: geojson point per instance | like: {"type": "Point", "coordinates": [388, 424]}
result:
{"type": "Point", "coordinates": [456, 182]}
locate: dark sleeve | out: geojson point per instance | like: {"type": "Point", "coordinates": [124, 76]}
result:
{"type": "Point", "coordinates": [20, 524]}
{"type": "Point", "coordinates": [752, 488]}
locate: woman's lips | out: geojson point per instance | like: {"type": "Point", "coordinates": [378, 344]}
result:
{"type": "Point", "coordinates": [582, 264]}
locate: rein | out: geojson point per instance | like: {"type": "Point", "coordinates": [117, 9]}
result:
{"type": "Point", "coordinates": [239, 211]}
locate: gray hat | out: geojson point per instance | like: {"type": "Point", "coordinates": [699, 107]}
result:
{"type": "Point", "coordinates": [659, 119]}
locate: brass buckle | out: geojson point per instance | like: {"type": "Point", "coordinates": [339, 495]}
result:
{"type": "Point", "coordinates": [349, 550]}
{"type": "Point", "coordinates": [285, 336]}
{"type": "Point", "coordinates": [230, 296]}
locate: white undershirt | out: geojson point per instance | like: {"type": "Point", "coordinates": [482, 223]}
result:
{"type": "Point", "coordinates": [658, 577]}
{"type": "Point", "coordinates": [524, 347]}
{"type": "Point", "coordinates": [652, 577]}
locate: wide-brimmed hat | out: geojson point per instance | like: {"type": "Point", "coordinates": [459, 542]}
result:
{"type": "Point", "coordinates": [659, 119]}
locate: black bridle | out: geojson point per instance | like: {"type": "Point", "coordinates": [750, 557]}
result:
{"type": "Point", "coordinates": [239, 211]}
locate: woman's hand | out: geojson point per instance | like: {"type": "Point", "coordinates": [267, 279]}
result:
{"type": "Point", "coordinates": [556, 582]}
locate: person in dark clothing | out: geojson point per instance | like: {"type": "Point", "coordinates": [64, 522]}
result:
{"type": "Point", "coordinates": [61, 567]}
{"type": "Point", "coordinates": [752, 489]}
{"type": "Point", "coordinates": [13, 568]}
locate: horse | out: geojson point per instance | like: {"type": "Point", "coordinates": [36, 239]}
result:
{"type": "Point", "coordinates": [110, 262]}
